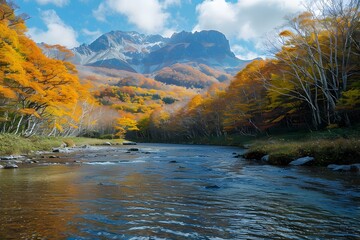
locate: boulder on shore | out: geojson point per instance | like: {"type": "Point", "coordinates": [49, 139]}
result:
{"type": "Point", "coordinates": [1, 166]}
{"type": "Point", "coordinates": [60, 150]}
{"type": "Point", "coordinates": [247, 146]}
{"type": "Point", "coordinates": [265, 158]}
{"type": "Point", "coordinates": [10, 166]}
{"type": "Point", "coordinates": [11, 157]}
{"type": "Point", "coordinates": [302, 161]}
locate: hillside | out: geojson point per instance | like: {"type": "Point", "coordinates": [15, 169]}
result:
{"type": "Point", "coordinates": [133, 95]}
{"type": "Point", "coordinates": [189, 76]}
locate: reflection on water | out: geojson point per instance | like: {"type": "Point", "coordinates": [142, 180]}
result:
{"type": "Point", "coordinates": [176, 192]}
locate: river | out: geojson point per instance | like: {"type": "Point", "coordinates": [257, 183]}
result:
{"type": "Point", "coordinates": [166, 191]}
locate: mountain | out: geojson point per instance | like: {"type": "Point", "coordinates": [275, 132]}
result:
{"type": "Point", "coordinates": [118, 50]}
{"type": "Point", "coordinates": [206, 47]}
{"type": "Point", "coordinates": [149, 54]}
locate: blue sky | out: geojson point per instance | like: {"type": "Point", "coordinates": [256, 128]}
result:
{"type": "Point", "coordinates": [72, 22]}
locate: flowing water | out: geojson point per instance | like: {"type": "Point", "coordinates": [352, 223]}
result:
{"type": "Point", "coordinates": [175, 192]}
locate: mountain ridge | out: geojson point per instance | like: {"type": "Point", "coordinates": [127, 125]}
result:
{"type": "Point", "coordinates": [147, 54]}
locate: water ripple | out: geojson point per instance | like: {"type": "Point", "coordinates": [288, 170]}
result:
{"type": "Point", "coordinates": [205, 194]}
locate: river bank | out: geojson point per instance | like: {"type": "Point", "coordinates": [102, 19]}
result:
{"type": "Point", "coordinates": [13, 144]}
{"type": "Point", "coordinates": [340, 146]}
{"type": "Point", "coordinates": [338, 149]}
{"type": "Point", "coordinates": [16, 150]}
{"type": "Point", "coordinates": [320, 152]}
{"type": "Point", "coordinates": [322, 148]}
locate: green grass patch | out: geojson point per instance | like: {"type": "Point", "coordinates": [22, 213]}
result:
{"type": "Point", "coordinates": [340, 146]}
{"type": "Point", "coordinates": [13, 144]}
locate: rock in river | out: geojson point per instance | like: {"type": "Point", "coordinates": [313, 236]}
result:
{"type": "Point", "coordinates": [345, 168]}
{"type": "Point", "coordinates": [302, 161]}
{"type": "Point", "coordinates": [1, 166]}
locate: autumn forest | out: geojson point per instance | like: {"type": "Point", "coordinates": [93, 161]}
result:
{"type": "Point", "coordinates": [311, 82]}
{"type": "Point", "coordinates": [147, 131]}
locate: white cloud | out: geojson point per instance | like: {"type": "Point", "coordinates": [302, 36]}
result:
{"type": "Point", "coordinates": [59, 3]}
{"type": "Point", "coordinates": [57, 31]}
{"type": "Point", "coordinates": [168, 32]}
{"type": "Point", "coordinates": [245, 19]}
{"type": "Point", "coordinates": [149, 16]}
{"type": "Point", "coordinates": [168, 3]}
{"type": "Point", "coordinates": [92, 34]}
{"type": "Point", "coordinates": [101, 12]}
{"type": "Point", "coordinates": [243, 53]}
{"type": "Point", "coordinates": [216, 15]}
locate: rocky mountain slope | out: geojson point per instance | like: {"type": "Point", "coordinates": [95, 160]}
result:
{"type": "Point", "coordinates": [148, 54]}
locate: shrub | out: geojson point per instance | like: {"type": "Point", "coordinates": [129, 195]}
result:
{"type": "Point", "coordinates": [107, 136]}
{"type": "Point", "coordinates": [69, 142]}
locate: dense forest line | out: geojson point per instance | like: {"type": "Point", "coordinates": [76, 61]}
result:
{"type": "Point", "coordinates": [312, 83]}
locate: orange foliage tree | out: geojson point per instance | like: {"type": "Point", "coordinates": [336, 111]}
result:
{"type": "Point", "coordinates": [38, 94]}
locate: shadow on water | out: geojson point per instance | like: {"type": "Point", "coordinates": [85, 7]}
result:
{"type": "Point", "coordinates": [176, 192]}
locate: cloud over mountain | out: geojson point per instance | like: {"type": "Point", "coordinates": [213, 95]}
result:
{"type": "Point", "coordinates": [247, 21]}
{"type": "Point", "coordinates": [244, 19]}
{"type": "Point", "coordinates": [149, 16]}
{"type": "Point", "coordinates": [57, 31]}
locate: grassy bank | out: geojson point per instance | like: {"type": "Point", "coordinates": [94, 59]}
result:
{"type": "Point", "coordinates": [13, 144]}
{"type": "Point", "coordinates": [336, 146]}
{"type": "Point", "coordinates": [336, 151]}
{"type": "Point", "coordinates": [332, 146]}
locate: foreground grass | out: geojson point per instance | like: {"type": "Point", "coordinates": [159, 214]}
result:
{"type": "Point", "coordinates": [337, 146]}
{"type": "Point", "coordinates": [13, 144]}
{"type": "Point", "coordinates": [337, 151]}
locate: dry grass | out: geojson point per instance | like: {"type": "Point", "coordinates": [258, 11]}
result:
{"type": "Point", "coordinates": [325, 151]}
{"type": "Point", "coordinates": [13, 144]}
